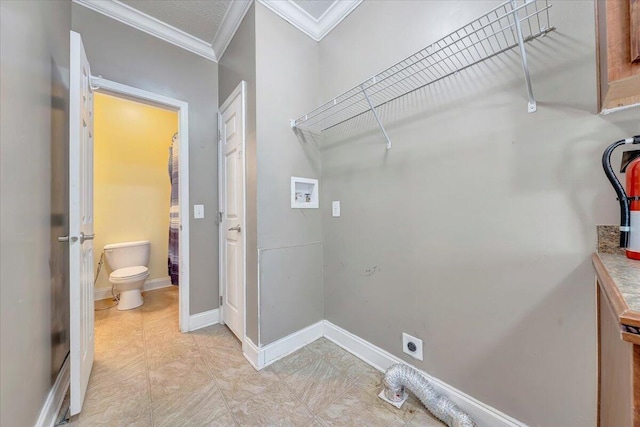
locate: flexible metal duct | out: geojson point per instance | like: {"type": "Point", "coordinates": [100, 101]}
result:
{"type": "Point", "coordinates": [400, 376]}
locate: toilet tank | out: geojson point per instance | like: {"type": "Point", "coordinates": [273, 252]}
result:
{"type": "Point", "coordinates": [127, 254]}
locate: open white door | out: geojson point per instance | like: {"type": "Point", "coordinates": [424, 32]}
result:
{"type": "Point", "coordinates": [232, 208]}
{"type": "Point", "coordinates": [80, 222]}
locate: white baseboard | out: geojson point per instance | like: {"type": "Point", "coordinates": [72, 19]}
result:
{"type": "Point", "coordinates": [55, 398]}
{"type": "Point", "coordinates": [252, 354]}
{"type": "Point", "coordinates": [153, 284]}
{"type": "Point", "coordinates": [380, 359]}
{"type": "Point", "coordinates": [102, 293]}
{"type": "Point", "coordinates": [204, 319]}
{"type": "Point", "coordinates": [149, 285]}
{"type": "Point", "coordinates": [261, 357]}
{"type": "Point", "coordinates": [374, 356]}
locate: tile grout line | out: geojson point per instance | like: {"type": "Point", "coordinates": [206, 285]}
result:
{"type": "Point", "coordinates": [147, 370]}
{"type": "Point", "coordinates": [406, 422]}
{"type": "Point", "coordinates": [332, 401]}
{"type": "Point", "coordinates": [363, 389]}
{"type": "Point", "coordinates": [215, 381]}
{"type": "Point", "coordinates": [346, 389]}
{"type": "Point", "coordinates": [114, 321]}
{"type": "Point", "coordinates": [356, 379]}
{"type": "Point", "coordinates": [295, 395]}
{"type": "Point", "coordinates": [282, 382]}
{"type": "Point", "coordinates": [355, 384]}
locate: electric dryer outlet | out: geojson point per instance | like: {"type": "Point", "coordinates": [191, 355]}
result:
{"type": "Point", "coordinates": [412, 346]}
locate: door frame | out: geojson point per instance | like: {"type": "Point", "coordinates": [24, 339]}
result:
{"type": "Point", "coordinates": [240, 90]}
{"type": "Point", "coordinates": [103, 85]}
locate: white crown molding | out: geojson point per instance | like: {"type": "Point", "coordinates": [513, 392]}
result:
{"type": "Point", "coordinates": [150, 25]}
{"type": "Point", "coordinates": [230, 23]}
{"type": "Point", "coordinates": [335, 15]}
{"type": "Point", "coordinates": [314, 28]}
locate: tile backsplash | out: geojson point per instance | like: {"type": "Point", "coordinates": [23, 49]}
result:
{"type": "Point", "coordinates": [609, 239]}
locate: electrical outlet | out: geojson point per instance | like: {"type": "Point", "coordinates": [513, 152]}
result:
{"type": "Point", "coordinates": [412, 346]}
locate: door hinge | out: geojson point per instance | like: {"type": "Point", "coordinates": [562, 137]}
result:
{"type": "Point", "coordinates": [220, 300]}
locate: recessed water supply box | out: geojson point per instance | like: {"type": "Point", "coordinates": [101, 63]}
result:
{"type": "Point", "coordinates": [304, 193]}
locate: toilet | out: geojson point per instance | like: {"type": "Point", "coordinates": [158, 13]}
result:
{"type": "Point", "coordinates": [128, 262]}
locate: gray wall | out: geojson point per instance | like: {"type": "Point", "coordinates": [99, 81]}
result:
{"type": "Point", "coordinates": [34, 293]}
{"type": "Point", "coordinates": [480, 221]}
{"type": "Point", "coordinates": [238, 63]}
{"type": "Point", "coordinates": [126, 55]}
{"type": "Point", "coordinates": [289, 240]}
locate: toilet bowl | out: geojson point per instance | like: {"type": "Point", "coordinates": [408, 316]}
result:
{"type": "Point", "coordinates": [128, 281]}
{"type": "Point", "coordinates": [128, 262]}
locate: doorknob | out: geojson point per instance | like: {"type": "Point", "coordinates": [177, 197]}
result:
{"type": "Point", "coordinates": [236, 228]}
{"type": "Point", "coordinates": [84, 237]}
{"type": "Point", "coordinates": [66, 239]}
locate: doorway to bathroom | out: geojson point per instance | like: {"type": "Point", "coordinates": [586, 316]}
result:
{"type": "Point", "coordinates": [141, 171]}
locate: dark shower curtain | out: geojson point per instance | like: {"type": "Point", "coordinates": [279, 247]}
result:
{"type": "Point", "coordinates": [174, 213]}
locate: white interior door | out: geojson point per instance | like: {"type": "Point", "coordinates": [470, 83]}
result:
{"type": "Point", "coordinates": [232, 208]}
{"type": "Point", "coordinates": [80, 222]}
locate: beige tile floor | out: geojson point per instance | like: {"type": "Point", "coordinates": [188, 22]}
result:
{"type": "Point", "coordinates": [147, 373]}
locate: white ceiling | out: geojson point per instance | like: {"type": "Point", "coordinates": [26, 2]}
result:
{"type": "Point", "coordinates": [315, 8]}
{"type": "Point", "coordinates": [200, 18]}
{"type": "Point", "coordinates": [316, 18]}
{"type": "Point", "coordinates": [205, 27]}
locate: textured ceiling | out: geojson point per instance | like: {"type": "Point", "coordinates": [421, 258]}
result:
{"type": "Point", "coordinates": [200, 18]}
{"type": "Point", "coordinates": [315, 8]}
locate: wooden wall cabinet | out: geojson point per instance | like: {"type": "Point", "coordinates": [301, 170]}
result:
{"type": "Point", "coordinates": [618, 53]}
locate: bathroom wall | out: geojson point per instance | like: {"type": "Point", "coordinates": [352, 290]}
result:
{"type": "Point", "coordinates": [474, 232]}
{"type": "Point", "coordinates": [289, 240]}
{"type": "Point", "coordinates": [129, 56]}
{"type": "Point", "coordinates": [34, 134]}
{"type": "Point", "coordinates": [132, 191]}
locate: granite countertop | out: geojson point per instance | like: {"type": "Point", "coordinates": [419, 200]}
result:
{"type": "Point", "coordinates": [619, 282]}
{"type": "Point", "coordinates": [625, 274]}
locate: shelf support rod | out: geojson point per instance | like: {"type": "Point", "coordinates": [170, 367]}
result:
{"type": "Point", "coordinates": [375, 114]}
{"type": "Point", "coordinates": [523, 55]}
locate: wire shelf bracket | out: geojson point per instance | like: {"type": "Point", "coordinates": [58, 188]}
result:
{"type": "Point", "coordinates": [375, 114]}
{"type": "Point", "coordinates": [531, 107]}
{"type": "Point", "coordinates": [511, 24]}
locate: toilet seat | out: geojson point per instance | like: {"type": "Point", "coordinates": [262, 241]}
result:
{"type": "Point", "coordinates": [128, 274]}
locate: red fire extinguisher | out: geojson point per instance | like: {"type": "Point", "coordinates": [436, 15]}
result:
{"type": "Point", "coordinates": [628, 198]}
{"type": "Point", "coordinates": [633, 194]}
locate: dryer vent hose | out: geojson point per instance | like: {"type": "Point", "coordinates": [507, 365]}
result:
{"type": "Point", "coordinates": [400, 376]}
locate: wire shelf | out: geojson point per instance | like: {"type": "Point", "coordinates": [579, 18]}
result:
{"type": "Point", "coordinates": [509, 25]}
